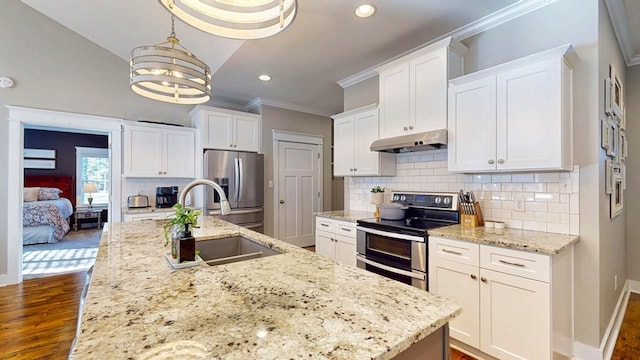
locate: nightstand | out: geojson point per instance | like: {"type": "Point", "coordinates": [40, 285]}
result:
{"type": "Point", "coordinates": [95, 215]}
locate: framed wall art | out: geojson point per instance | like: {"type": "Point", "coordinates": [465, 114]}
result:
{"type": "Point", "coordinates": [608, 176]}
{"type": "Point", "coordinates": [616, 92]}
{"type": "Point", "coordinates": [607, 135]}
{"type": "Point", "coordinates": [617, 196]}
{"type": "Point", "coordinates": [607, 97]}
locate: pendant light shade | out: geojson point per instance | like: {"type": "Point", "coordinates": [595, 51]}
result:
{"type": "Point", "coordinates": [168, 72]}
{"type": "Point", "coordinates": [236, 19]}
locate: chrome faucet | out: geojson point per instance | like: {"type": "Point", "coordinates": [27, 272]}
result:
{"type": "Point", "coordinates": [225, 207]}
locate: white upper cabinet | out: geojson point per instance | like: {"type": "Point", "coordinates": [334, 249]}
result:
{"type": "Point", "coordinates": [413, 89]}
{"type": "Point", "coordinates": [513, 117]}
{"type": "Point", "coordinates": [227, 129]}
{"type": "Point", "coordinates": [158, 151]}
{"type": "Point", "coordinates": [353, 133]}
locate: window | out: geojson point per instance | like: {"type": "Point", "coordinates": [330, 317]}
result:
{"type": "Point", "coordinates": [92, 165]}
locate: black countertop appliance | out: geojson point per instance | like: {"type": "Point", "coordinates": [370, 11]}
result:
{"type": "Point", "coordinates": [166, 196]}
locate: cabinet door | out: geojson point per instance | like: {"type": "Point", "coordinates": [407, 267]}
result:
{"type": "Point", "coordinates": [366, 131]}
{"type": "Point", "coordinates": [180, 155]}
{"type": "Point", "coordinates": [345, 249]}
{"type": "Point", "coordinates": [142, 151]}
{"type": "Point", "coordinates": [459, 283]}
{"type": "Point", "coordinates": [219, 131]}
{"type": "Point", "coordinates": [529, 119]}
{"type": "Point", "coordinates": [472, 126]}
{"type": "Point", "coordinates": [247, 133]}
{"type": "Point", "coordinates": [343, 146]}
{"type": "Point", "coordinates": [514, 317]}
{"type": "Point", "coordinates": [394, 101]}
{"type": "Point", "coordinates": [428, 92]}
{"type": "Point", "coordinates": [325, 245]}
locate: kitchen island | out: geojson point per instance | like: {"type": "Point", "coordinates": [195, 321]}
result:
{"type": "Point", "coordinates": [293, 305]}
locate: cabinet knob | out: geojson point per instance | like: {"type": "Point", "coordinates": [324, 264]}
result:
{"type": "Point", "coordinates": [406, 128]}
{"type": "Point", "coordinates": [500, 161]}
{"type": "Point", "coordinates": [281, 201]}
{"type": "Point", "coordinates": [473, 276]}
{"type": "Point", "coordinates": [159, 172]}
{"type": "Point", "coordinates": [350, 169]}
{"type": "Point", "coordinates": [483, 279]}
{"type": "Point", "coordinates": [491, 162]}
{"type": "Point", "coordinates": [410, 127]}
{"type": "Point", "coordinates": [355, 169]}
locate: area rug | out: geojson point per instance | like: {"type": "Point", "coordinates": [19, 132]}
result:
{"type": "Point", "coordinates": [75, 252]}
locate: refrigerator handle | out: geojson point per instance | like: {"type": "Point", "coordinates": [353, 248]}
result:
{"type": "Point", "coordinates": [236, 180]}
{"type": "Point", "coordinates": [241, 178]}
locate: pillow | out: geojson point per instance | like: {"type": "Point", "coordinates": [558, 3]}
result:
{"type": "Point", "coordinates": [30, 194]}
{"type": "Point", "coordinates": [49, 194]}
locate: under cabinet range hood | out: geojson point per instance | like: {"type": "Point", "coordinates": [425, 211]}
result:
{"type": "Point", "coordinates": [429, 140]}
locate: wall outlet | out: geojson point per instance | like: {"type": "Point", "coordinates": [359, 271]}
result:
{"type": "Point", "coordinates": [615, 282]}
{"type": "Point", "coordinates": [270, 182]}
{"type": "Point", "coordinates": [518, 204]}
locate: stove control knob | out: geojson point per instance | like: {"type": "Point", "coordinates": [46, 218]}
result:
{"type": "Point", "coordinates": [438, 200]}
{"type": "Point", "coordinates": [396, 197]}
{"type": "Point", "coordinates": [447, 201]}
{"type": "Point", "coordinates": [403, 198]}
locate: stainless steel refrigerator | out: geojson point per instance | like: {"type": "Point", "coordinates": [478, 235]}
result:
{"type": "Point", "coordinates": [241, 176]}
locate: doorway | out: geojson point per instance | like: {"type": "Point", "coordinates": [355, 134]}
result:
{"type": "Point", "coordinates": [297, 187]}
{"type": "Point", "coordinates": [19, 118]}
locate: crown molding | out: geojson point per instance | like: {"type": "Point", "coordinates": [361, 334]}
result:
{"type": "Point", "coordinates": [257, 102]}
{"type": "Point", "coordinates": [620, 21]}
{"type": "Point", "coordinates": [499, 17]}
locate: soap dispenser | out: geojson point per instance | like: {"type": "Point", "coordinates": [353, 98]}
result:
{"type": "Point", "coordinates": [186, 246]}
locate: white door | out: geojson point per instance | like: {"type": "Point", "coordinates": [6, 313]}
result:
{"type": "Point", "coordinates": [247, 133]}
{"type": "Point", "coordinates": [343, 145]}
{"type": "Point", "coordinates": [180, 151]}
{"type": "Point", "coordinates": [529, 110]}
{"type": "Point", "coordinates": [514, 317]}
{"type": "Point", "coordinates": [220, 131]}
{"type": "Point", "coordinates": [325, 245]}
{"type": "Point", "coordinates": [298, 191]}
{"type": "Point", "coordinates": [472, 126]}
{"type": "Point", "coordinates": [366, 131]}
{"type": "Point", "coordinates": [142, 151]}
{"type": "Point", "coordinates": [459, 283]}
{"type": "Point", "coordinates": [394, 101]}
{"type": "Point", "coordinates": [428, 92]}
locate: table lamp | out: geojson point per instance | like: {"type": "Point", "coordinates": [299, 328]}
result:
{"type": "Point", "coordinates": [89, 188]}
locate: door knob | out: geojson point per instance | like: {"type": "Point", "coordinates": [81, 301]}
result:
{"type": "Point", "coordinates": [281, 201]}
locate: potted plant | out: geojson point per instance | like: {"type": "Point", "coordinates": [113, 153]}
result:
{"type": "Point", "coordinates": [377, 195]}
{"type": "Point", "coordinates": [182, 243]}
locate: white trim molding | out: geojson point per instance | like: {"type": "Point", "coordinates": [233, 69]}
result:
{"type": "Point", "coordinates": [499, 17]}
{"type": "Point", "coordinates": [291, 136]}
{"type": "Point", "coordinates": [620, 21]}
{"type": "Point", "coordinates": [258, 102]}
{"type": "Point", "coordinates": [19, 118]}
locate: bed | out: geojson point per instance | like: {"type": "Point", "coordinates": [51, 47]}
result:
{"type": "Point", "coordinates": [47, 219]}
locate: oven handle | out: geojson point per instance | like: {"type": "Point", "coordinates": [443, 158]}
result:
{"type": "Point", "coordinates": [390, 234]}
{"type": "Point", "coordinates": [389, 268]}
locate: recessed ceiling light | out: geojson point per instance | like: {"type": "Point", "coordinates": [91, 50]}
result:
{"type": "Point", "coordinates": [365, 10]}
{"type": "Point", "coordinates": [264, 77]}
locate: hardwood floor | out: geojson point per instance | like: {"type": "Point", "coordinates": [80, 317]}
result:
{"type": "Point", "coordinates": [38, 317]}
{"type": "Point", "coordinates": [628, 343]}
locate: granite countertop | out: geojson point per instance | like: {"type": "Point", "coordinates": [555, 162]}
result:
{"type": "Point", "coordinates": [534, 241]}
{"type": "Point", "coordinates": [345, 215]}
{"type": "Point", "coordinates": [294, 305]}
{"type": "Point", "coordinates": [146, 210]}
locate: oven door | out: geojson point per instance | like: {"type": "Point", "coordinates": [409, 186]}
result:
{"type": "Point", "coordinates": [401, 257]}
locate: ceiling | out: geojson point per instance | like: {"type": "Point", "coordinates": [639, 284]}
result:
{"type": "Point", "coordinates": [624, 15]}
{"type": "Point", "coordinates": [325, 45]}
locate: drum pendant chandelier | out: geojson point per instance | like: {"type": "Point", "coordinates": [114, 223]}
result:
{"type": "Point", "coordinates": [169, 72]}
{"type": "Point", "coordinates": [235, 19]}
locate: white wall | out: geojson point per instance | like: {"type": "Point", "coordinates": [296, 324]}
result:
{"type": "Point", "coordinates": [612, 231]}
{"type": "Point", "coordinates": [56, 69]}
{"type": "Point", "coordinates": [632, 195]}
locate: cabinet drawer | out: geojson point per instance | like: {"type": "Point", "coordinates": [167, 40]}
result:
{"type": "Point", "coordinates": [346, 228]}
{"type": "Point", "coordinates": [145, 216]}
{"type": "Point", "coordinates": [454, 250]}
{"type": "Point", "coordinates": [519, 263]}
{"type": "Point", "coordinates": [325, 224]}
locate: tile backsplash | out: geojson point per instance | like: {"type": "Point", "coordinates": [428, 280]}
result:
{"type": "Point", "coordinates": [551, 199]}
{"type": "Point", "coordinates": [147, 186]}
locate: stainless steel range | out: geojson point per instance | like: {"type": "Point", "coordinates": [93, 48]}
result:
{"type": "Point", "coordinates": [397, 249]}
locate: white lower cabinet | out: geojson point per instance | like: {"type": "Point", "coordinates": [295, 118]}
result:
{"type": "Point", "coordinates": [336, 239]}
{"type": "Point", "coordinates": [506, 298]}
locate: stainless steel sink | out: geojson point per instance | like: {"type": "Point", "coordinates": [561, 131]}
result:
{"type": "Point", "coordinates": [231, 249]}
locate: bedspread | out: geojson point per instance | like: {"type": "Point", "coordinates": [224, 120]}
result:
{"type": "Point", "coordinates": [40, 213]}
